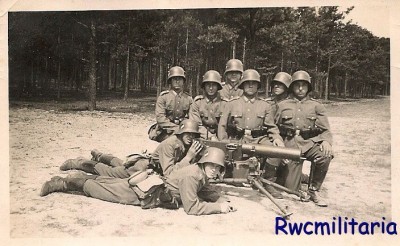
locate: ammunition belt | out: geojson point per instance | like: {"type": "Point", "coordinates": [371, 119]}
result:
{"type": "Point", "coordinates": [239, 132]}
{"type": "Point", "coordinates": [286, 131]}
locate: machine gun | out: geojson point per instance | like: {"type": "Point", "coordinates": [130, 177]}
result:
{"type": "Point", "coordinates": [243, 165]}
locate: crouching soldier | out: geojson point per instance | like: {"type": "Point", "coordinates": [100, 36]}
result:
{"type": "Point", "coordinates": [303, 123]}
{"type": "Point", "coordinates": [173, 153]}
{"type": "Point", "coordinates": [188, 186]}
{"type": "Point", "coordinates": [206, 109]}
{"type": "Point", "coordinates": [248, 119]}
{"type": "Point", "coordinates": [172, 106]}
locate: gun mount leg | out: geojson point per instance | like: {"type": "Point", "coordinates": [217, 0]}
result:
{"type": "Point", "coordinates": [304, 197]}
{"type": "Point", "coordinates": [260, 187]}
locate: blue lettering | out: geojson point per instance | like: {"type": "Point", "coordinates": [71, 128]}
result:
{"type": "Point", "coordinates": [373, 224]}
{"type": "Point", "coordinates": [322, 225]}
{"type": "Point", "coordinates": [353, 223]}
{"type": "Point", "coordinates": [295, 228]}
{"type": "Point", "coordinates": [394, 230]}
{"type": "Point", "coordinates": [383, 225]}
{"type": "Point", "coordinates": [363, 232]}
{"type": "Point", "coordinates": [280, 227]}
{"type": "Point", "coordinates": [305, 228]}
{"type": "Point", "coordinates": [333, 225]}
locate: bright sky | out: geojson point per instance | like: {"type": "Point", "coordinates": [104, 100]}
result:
{"type": "Point", "coordinates": [376, 19]}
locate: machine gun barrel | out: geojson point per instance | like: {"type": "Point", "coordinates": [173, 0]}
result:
{"type": "Point", "coordinates": [272, 151]}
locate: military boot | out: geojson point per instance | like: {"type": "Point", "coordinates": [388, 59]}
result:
{"type": "Point", "coordinates": [95, 154]}
{"type": "Point", "coordinates": [55, 184]}
{"type": "Point", "coordinates": [79, 163]}
{"type": "Point", "coordinates": [59, 184]}
{"type": "Point", "coordinates": [270, 175]}
{"type": "Point", "coordinates": [318, 179]}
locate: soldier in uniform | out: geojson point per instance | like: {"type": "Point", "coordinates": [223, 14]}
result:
{"type": "Point", "coordinates": [303, 123]}
{"type": "Point", "coordinates": [233, 74]}
{"type": "Point", "coordinates": [279, 87]}
{"type": "Point", "coordinates": [248, 119]}
{"type": "Point", "coordinates": [188, 186]}
{"type": "Point", "coordinates": [172, 106]}
{"type": "Point", "coordinates": [173, 153]}
{"type": "Point", "coordinates": [206, 109]}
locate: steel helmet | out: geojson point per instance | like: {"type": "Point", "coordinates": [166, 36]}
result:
{"type": "Point", "coordinates": [189, 126]}
{"type": "Point", "coordinates": [250, 75]}
{"type": "Point", "coordinates": [212, 76]}
{"type": "Point", "coordinates": [176, 72]}
{"type": "Point", "coordinates": [234, 65]}
{"type": "Point", "coordinates": [302, 76]}
{"type": "Point", "coordinates": [283, 78]}
{"type": "Point", "coordinates": [214, 155]}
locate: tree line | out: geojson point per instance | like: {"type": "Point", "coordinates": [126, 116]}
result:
{"type": "Point", "coordinates": [100, 51]}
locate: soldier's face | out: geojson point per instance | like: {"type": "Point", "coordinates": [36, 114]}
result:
{"type": "Point", "coordinates": [278, 88]}
{"type": "Point", "coordinates": [233, 76]}
{"type": "Point", "coordinates": [187, 138]}
{"type": "Point", "coordinates": [211, 88]}
{"type": "Point", "coordinates": [300, 89]}
{"type": "Point", "coordinates": [250, 88]}
{"type": "Point", "coordinates": [177, 83]}
{"type": "Point", "coordinates": [211, 170]}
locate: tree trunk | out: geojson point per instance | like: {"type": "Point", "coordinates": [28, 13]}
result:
{"type": "Point", "coordinates": [244, 50]}
{"type": "Point", "coordinates": [198, 80]}
{"type": "Point", "coordinates": [345, 85]}
{"type": "Point", "coordinates": [92, 68]}
{"type": "Point", "coordinates": [327, 79]}
{"type": "Point", "coordinates": [234, 49]}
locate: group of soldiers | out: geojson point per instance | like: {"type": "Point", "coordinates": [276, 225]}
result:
{"type": "Point", "coordinates": [228, 112]}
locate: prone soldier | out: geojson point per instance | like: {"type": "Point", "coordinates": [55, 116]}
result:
{"type": "Point", "coordinates": [233, 74]}
{"type": "Point", "coordinates": [206, 109]}
{"type": "Point", "coordinates": [303, 124]}
{"type": "Point", "coordinates": [173, 153]}
{"type": "Point", "coordinates": [188, 186]}
{"type": "Point", "coordinates": [172, 106]}
{"type": "Point", "coordinates": [248, 119]}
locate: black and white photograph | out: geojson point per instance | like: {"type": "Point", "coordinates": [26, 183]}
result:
{"type": "Point", "coordinates": [218, 123]}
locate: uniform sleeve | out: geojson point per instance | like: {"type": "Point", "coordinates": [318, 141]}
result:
{"type": "Point", "coordinates": [269, 123]}
{"type": "Point", "coordinates": [209, 194]}
{"type": "Point", "coordinates": [167, 160]}
{"type": "Point", "coordinates": [188, 187]}
{"type": "Point", "coordinates": [161, 116]}
{"type": "Point", "coordinates": [322, 123]}
{"type": "Point", "coordinates": [223, 121]}
{"type": "Point", "coordinates": [194, 113]}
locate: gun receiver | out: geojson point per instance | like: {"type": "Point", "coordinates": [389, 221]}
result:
{"type": "Point", "coordinates": [255, 150]}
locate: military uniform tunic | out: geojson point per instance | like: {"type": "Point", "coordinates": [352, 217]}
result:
{"type": "Point", "coordinates": [229, 92]}
{"type": "Point", "coordinates": [166, 158]}
{"type": "Point", "coordinates": [171, 109]}
{"type": "Point", "coordinates": [254, 114]}
{"type": "Point", "coordinates": [308, 123]}
{"type": "Point", "coordinates": [207, 113]}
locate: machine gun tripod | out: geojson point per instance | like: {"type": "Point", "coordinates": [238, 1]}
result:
{"type": "Point", "coordinates": [243, 166]}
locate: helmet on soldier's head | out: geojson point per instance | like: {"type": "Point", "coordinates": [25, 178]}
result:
{"type": "Point", "coordinates": [214, 155]}
{"type": "Point", "coordinates": [250, 75]}
{"type": "Point", "coordinates": [176, 72]}
{"type": "Point", "coordinates": [212, 76]}
{"type": "Point", "coordinates": [301, 76]}
{"type": "Point", "coordinates": [189, 126]}
{"type": "Point", "coordinates": [234, 65]}
{"type": "Point", "coordinates": [283, 78]}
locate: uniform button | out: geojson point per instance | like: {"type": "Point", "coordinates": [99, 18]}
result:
{"type": "Point", "coordinates": [299, 110]}
{"type": "Point", "coordinates": [309, 126]}
{"type": "Point", "coordinates": [248, 118]}
{"type": "Point", "coordinates": [298, 118]}
{"type": "Point", "coordinates": [297, 126]}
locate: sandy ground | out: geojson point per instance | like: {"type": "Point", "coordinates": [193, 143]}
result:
{"type": "Point", "coordinates": [358, 184]}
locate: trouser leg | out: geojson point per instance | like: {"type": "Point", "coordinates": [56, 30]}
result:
{"type": "Point", "coordinates": [112, 190]}
{"type": "Point", "coordinates": [79, 164]}
{"type": "Point", "coordinates": [321, 165]}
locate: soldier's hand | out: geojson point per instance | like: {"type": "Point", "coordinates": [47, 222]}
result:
{"type": "Point", "coordinates": [226, 207]}
{"type": "Point", "coordinates": [278, 142]}
{"type": "Point", "coordinates": [326, 149]}
{"type": "Point", "coordinates": [194, 149]}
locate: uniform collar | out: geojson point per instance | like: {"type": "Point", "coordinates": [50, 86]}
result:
{"type": "Point", "coordinates": [214, 100]}
{"type": "Point", "coordinates": [176, 94]}
{"type": "Point", "coordinates": [297, 100]}
{"type": "Point", "coordinates": [249, 100]}
{"type": "Point", "coordinates": [231, 87]}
